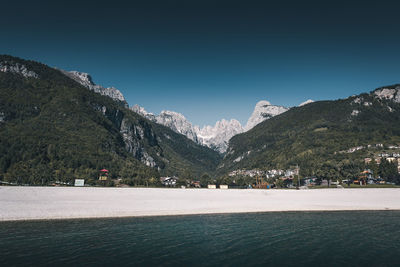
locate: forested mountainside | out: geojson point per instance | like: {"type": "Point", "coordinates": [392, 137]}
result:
{"type": "Point", "coordinates": [52, 127]}
{"type": "Point", "coordinates": [325, 138]}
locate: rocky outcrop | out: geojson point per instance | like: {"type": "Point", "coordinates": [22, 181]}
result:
{"type": "Point", "coordinates": [132, 135]}
{"type": "Point", "coordinates": [17, 68]}
{"type": "Point", "coordinates": [173, 120]}
{"type": "Point", "coordinates": [263, 111]}
{"type": "Point", "coordinates": [86, 80]}
{"type": "Point", "coordinates": [388, 93]}
{"type": "Point", "coordinates": [178, 123]}
{"type": "Point", "coordinates": [217, 137]}
{"type": "Point", "coordinates": [140, 110]}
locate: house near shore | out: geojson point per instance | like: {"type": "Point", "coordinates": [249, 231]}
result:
{"type": "Point", "coordinates": [195, 184]}
{"type": "Point", "coordinates": [310, 181]}
{"type": "Point", "coordinates": [169, 181]}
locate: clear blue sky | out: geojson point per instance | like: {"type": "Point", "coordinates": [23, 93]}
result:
{"type": "Point", "coordinates": [213, 59]}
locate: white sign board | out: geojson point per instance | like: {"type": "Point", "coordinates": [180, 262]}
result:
{"type": "Point", "coordinates": [79, 182]}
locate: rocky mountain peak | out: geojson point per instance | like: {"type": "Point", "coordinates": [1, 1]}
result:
{"type": "Point", "coordinates": [217, 137]}
{"type": "Point", "coordinates": [178, 123]}
{"type": "Point", "coordinates": [86, 80]}
{"type": "Point", "coordinates": [262, 111]}
{"type": "Point", "coordinates": [173, 120]}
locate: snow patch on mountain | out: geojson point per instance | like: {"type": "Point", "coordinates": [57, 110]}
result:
{"type": "Point", "coordinates": [263, 111]}
{"type": "Point", "coordinates": [306, 102]}
{"type": "Point", "coordinates": [86, 80]}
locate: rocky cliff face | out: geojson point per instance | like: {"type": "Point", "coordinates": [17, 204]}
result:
{"type": "Point", "coordinates": [388, 93]}
{"type": "Point", "coordinates": [17, 68]}
{"type": "Point", "coordinates": [263, 111]}
{"type": "Point", "coordinates": [173, 120]}
{"type": "Point", "coordinates": [178, 123]}
{"type": "Point", "coordinates": [132, 134]}
{"type": "Point", "coordinates": [140, 110]}
{"type": "Point", "coordinates": [86, 80]}
{"type": "Point", "coordinates": [217, 137]}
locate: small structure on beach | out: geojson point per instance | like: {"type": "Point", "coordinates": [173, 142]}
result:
{"type": "Point", "coordinates": [212, 186]}
{"type": "Point", "coordinates": [103, 175]}
{"type": "Point", "coordinates": [223, 186]}
{"type": "Point", "coordinates": [195, 184]}
{"type": "Point", "coordinates": [79, 182]}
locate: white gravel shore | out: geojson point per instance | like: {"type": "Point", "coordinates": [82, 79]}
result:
{"type": "Point", "coordinates": [32, 203]}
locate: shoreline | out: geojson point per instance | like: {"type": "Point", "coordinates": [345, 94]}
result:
{"type": "Point", "coordinates": [60, 203]}
{"type": "Point", "coordinates": [191, 214]}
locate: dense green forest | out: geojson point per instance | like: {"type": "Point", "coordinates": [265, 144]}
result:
{"type": "Point", "coordinates": [53, 128]}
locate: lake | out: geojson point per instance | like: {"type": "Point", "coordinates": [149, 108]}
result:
{"type": "Point", "coordinates": [356, 238]}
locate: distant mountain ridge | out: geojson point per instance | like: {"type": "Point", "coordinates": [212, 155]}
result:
{"type": "Point", "coordinates": [216, 137]}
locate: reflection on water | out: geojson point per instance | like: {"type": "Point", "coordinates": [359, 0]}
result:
{"type": "Point", "coordinates": [288, 238]}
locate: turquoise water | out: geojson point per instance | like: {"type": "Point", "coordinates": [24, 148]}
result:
{"type": "Point", "coordinates": [254, 239]}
